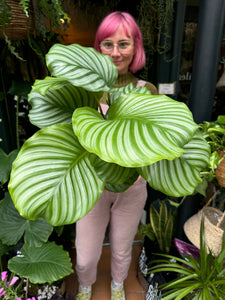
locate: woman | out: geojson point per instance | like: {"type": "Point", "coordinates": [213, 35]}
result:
{"type": "Point", "coordinates": [119, 37]}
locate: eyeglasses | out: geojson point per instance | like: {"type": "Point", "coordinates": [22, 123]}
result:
{"type": "Point", "coordinates": [122, 46]}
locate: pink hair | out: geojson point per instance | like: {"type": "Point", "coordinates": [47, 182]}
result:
{"type": "Point", "coordinates": [108, 27]}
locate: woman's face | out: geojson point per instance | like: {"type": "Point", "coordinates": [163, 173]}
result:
{"type": "Point", "coordinates": [120, 48]}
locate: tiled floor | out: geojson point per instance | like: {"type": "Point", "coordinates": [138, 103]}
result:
{"type": "Point", "coordinates": [101, 289]}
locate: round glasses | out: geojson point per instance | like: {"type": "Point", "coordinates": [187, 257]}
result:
{"type": "Point", "coordinates": [122, 46]}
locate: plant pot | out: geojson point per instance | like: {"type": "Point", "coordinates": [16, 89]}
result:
{"type": "Point", "coordinates": [20, 25]}
{"type": "Point", "coordinates": [220, 170]}
{"type": "Point", "coordinates": [147, 256]}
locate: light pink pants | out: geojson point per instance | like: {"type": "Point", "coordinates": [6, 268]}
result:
{"type": "Point", "coordinates": [123, 211]}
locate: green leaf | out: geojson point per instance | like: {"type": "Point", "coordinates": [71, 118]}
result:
{"type": "Point", "coordinates": [13, 226]}
{"type": "Point", "coordinates": [43, 85]}
{"type": "Point", "coordinates": [221, 119]}
{"type": "Point", "coordinates": [47, 263]}
{"type": "Point", "coordinates": [181, 176]}
{"type": "Point", "coordinates": [6, 164]}
{"type": "Point", "coordinates": [138, 132]}
{"type": "Point", "coordinates": [82, 66]}
{"type": "Point", "coordinates": [11, 223]}
{"type": "Point", "coordinates": [53, 177]}
{"type": "Point", "coordinates": [116, 92]}
{"type": "Point", "coordinates": [119, 188]}
{"type": "Point", "coordinates": [117, 178]}
{"type": "Point", "coordinates": [58, 105]}
{"type": "Point", "coordinates": [20, 88]}
{"type": "Point", "coordinates": [112, 173]}
{"type": "Point", "coordinates": [4, 249]}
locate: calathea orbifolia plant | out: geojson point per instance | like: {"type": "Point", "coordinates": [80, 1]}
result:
{"type": "Point", "coordinates": [61, 171]}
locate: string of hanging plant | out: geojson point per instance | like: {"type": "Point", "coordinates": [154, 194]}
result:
{"type": "Point", "coordinates": [155, 18]}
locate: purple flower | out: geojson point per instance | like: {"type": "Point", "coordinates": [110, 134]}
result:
{"type": "Point", "coordinates": [15, 278]}
{"type": "Point", "coordinates": [2, 292]}
{"type": "Point", "coordinates": [4, 275]}
{"type": "Point", "coordinates": [18, 298]}
{"type": "Point", "coordinates": [33, 298]}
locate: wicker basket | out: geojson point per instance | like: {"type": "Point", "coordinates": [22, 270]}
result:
{"type": "Point", "coordinates": [214, 222]}
{"type": "Point", "coordinates": [220, 170]}
{"type": "Point", "coordinates": [20, 26]}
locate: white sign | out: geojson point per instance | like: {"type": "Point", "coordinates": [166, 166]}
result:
{"type": "Point", "coordinates": [166, 88]}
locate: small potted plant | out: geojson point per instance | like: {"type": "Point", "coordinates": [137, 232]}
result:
{"type": "Point", "coordinates": [214, 133]}
{"type": "Point", "coordinates": [200, 275]}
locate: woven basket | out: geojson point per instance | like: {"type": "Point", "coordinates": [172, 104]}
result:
{"type": "Point", "coordinates": [20, 26]}
{"type": "Point", "coordinates": [214, 221]}
{"type": "Point", "coordinates": [220, 170]}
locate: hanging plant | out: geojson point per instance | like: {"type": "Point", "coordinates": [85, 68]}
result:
{"type": "Point", "coordinates": [155, 18]}
{"type": "Point", "coordinates": [23, 19]}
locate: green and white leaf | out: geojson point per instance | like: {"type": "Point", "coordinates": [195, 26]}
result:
{"type": "Point", "coordinates": [43, 85]}
{"type": "Point", "coordinates": [48, 263]}
{"type": "Point", "coordinates": [58, 181]}
{"type": "Point", "coordinates": [13, 226]}
{"type": "Point", "coordinates": [82, 66]}
{"type": "Point", "coordinates": [116, 92]}
{"type": "Point", "coordinates": [58, 105]}
{"type": "Point", "coordinates": [181, 176]}
{"type": "Point", "coordinates": [138, 132]}
{"type": "Point", "coordinates": [119, 188]}
{"type": "Point", "coordinates": [112, 173]}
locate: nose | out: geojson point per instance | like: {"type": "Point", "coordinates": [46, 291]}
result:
{"type": "Point", "coordinates": [115, 51]}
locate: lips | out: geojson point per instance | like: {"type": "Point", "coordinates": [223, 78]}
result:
{"type": "Point", "coordinates": [117, 62]}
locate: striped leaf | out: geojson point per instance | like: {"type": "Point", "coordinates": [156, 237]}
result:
{"type": "Point", "coordinates": [43, 85]}
{"type": "Point", "coordinates": [181, 176]}
{"type": "Point", "coordinates": [58, 105]}
{"type": "Point", "coordinates": [117, 178]}
{"type": "Point", "coordinates": [140, 130]}
{"type": "Point", "coordinates": [116, 92]}
{"type": "Point", "coordinates": [112, 173]}
{"type": "Point", "coordinates": [53, 177]}
{"type": "Point", "coordinates": [82, 66]}
{"type": "Point", "coordinates": [119, 188]}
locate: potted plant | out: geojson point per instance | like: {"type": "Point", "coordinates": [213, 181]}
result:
{"type": "Point", "coordinates": [200, 274]}
{"type": "Point", "coordinates": [214, 133]}
{"type": "Point", "coordinates": [26, 245]}
{"type": "Point", "coordinates": [79, 151]}
{"type": "Point", "coordinates": [23, 19]}
{"type": "Point", "coordinates": [158, 235]}
{"type": "Point", "coordinates": [161, 225]}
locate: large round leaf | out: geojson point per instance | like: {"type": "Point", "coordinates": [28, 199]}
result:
{"type": "Point", "coordinates": [58, 105]}
{"type": "Point", "coordinates": [112, 173]}
{"type": "Point", "coordinates": [140, 130]}
{"type": "Point", "coordinates": [13, 226]}
{"type": "Point", "coordinates": [82, 66]}
{"type": "Point", "coordinates": [53, 177]}
{"type": "Point", "coordinates": [47, 263]}
{"type": "Point", "coordinates": [181, 176]}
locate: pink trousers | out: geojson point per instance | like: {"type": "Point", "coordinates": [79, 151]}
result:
{"type": "Point", "coordinates": [123, 212]}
